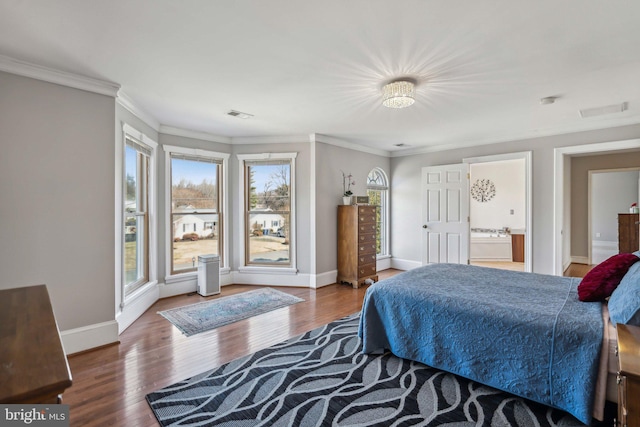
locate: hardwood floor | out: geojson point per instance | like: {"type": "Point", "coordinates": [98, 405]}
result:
{"type": "Point", "coordinates": [110, 383]}
{"type": "Point", "coordinates": [578, 270]}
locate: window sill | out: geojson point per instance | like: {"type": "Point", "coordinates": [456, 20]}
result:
{"type": "Point", "coordinates": [379, 257]}
{"type": "Point", "coordinates": [181, 277]}
{"type": "Point", "coordinates": [142, 290]}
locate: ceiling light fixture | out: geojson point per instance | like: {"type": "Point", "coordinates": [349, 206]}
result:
{"type": "Point", "coordinates": [398, 94]}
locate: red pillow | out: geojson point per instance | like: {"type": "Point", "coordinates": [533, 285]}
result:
{"type": "Point", "coordinates": [602, 280]}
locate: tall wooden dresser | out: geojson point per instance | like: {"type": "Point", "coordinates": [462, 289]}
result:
{"type": "Point", "coordinates": [628, 375]}
{"type": "Point", "coordinates": [356, 244]}
{"type": "Point", "coordinates": [628, 232]}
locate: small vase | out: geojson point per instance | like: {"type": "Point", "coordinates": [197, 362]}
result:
{"type": "Point", "coordinates": [346, 200]}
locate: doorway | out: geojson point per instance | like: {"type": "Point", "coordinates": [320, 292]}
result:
{"type": "Point", "coordinates": [604, 207]}
{"type": "Point", "coordinates": [500, 211]}
{"type": "Point", "coordinates": [562, 193]}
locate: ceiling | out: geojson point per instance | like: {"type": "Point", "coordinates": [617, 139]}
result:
{"type": "Point", "coordinates": [302, 67]}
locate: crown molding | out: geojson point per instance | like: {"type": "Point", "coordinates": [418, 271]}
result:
{"type": "Point", "coordinates": [538, 133]}
{"type": "Point", "coordinates": [170, 130]}
{"type": "Point", "coordinates": [350, 145]}
{"type": "Point", "coordinates": [125, 101]}
{"type": "Point", "coordinates": [282, 139]}
{"type": "Point", "coordinates": [63, 78]}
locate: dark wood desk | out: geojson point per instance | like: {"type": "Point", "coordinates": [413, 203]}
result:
{"type": "Point", "coordinates": [33, 365]}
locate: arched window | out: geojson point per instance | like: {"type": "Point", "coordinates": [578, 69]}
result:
{"type": "Point", "coordinates": [378, 192]}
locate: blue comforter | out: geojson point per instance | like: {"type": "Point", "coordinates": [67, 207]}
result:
{"type": "Point", "coordinates": [524, 333]}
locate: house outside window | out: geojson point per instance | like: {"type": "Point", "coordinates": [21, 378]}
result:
{"type": "Point", "coordinates": [268, 182]}
{"type": "Point", "coordinates": [378, 192]}
{"type": "Point", "coordinates": [196, 207]}
{"type": "Point", "coordinates": [138, 231]}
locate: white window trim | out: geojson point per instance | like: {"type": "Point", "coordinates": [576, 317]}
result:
{"type": "Point", "coordinates": [133, 133]}
{"type": "Point", "coordinates": [196, 152]}
{"type": "Point", "coordinates": [385, 214]}
{"type": "Point", "coordinates": [259, 269]}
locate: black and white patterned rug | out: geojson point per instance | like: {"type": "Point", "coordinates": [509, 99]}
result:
{"type": "Point", "coordinates": [322, 379]}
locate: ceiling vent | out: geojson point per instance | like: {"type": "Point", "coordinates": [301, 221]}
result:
{"type": "Point", "coordinates": [239, 114]}
{"type": "Point", "coordinates": [601, 111]}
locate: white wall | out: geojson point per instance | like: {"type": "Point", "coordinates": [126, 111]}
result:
{"type": "Point", "coordinates": [508, 177]}
{"type": "Point", "coordinates": [611, 193]}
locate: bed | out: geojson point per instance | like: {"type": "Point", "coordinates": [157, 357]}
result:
{"type": "Point", "coordinates": [524, 333]}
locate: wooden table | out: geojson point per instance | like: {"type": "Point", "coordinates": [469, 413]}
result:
{"type": "Point", "coordinates": [33, 365]}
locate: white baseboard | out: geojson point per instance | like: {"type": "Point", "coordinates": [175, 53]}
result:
{"type": "Point", "coordinates": [579, 260]}
{"type": "Point", "coordinates": [404, 264]}
{"type": "Point", "coordinates": [383, 263]}
{"type": "Point", "coordinates": [325, 279]}
{"type": "Point", "coordinates": [88, 337]}
{"type": "Point", "coordinates": [135, 307]}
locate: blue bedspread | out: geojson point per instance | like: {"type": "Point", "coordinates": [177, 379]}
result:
{"type": "Point", "coordinates": [524, 333]}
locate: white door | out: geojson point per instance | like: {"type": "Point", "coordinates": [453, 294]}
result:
{"type": "Point", "coordinates": [445, 214]}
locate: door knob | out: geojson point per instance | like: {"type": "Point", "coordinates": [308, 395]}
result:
{"type": "Point", "coordinates": [425, 226]}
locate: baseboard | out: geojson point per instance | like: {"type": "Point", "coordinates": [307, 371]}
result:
{"type": "Point", "coordinates": [579, 260]}
{"type": "Point", "coordinates": [383, 263]}
{"type": "Point", "coordinates": [135, 307]}
{"type": "Point", "coordinates": [404, 264]}
{"type": "Point", "coordinates": [325, 279]}
{"type": "Point", "coordinates": [88, 337]}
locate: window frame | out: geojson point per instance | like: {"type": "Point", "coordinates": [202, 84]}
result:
{"type": "Point", "coordinates": [142, 144]}
{"type": "Point", "coordinates": [223, 160]}
{"type": "Point", "coordinates": [243, 197]}
{"type": "Point", "coordinates": [384, 210]}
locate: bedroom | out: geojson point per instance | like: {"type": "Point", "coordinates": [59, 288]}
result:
{"type": "Point", "coordinates": [58, 168]}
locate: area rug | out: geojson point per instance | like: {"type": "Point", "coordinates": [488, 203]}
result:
{"type": "Point", "coordinates": [203, 316]}
{"type": "Point", "coordinates": [321, 378]}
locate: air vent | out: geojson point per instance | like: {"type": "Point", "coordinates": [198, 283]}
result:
{"type": "Point", "coordinates": [601, 111]}
{"type": "Point", "coordinates": [240, 114]}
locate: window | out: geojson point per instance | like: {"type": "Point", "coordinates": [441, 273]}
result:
{"type": "Point", "coordinates": [268, 182]}
{"type": "Point", "coordinates": [196, 212]}
{"type": "Point", "coordinates": [135, 214]}
{"type": "Point", "coordinates": [378, 191]}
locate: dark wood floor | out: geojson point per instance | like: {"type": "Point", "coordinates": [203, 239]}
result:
{"type": "Point", "coordinates": [110, 383]}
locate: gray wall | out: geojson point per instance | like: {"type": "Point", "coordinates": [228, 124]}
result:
{"type": "Point", "coordinates": [57, 196]}
{"type": "Point", "coordinates": [580, 167]}
{"type": "Point", "coordinates": [405, 180]}
{"type": "Point", "coordinates": [330, 162]}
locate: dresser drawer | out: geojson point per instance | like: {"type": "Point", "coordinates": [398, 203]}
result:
{"type": "Point", "coordinates": [367, 218]}
{"type": "Point", "coordinates": [366, 238]}
{"type": "Point", "coordinates": [366, 248]}
{"type": "Point", "coordinates": [366, 259]}
{"type": "Point", "coordinates": [366, 270]}
{"type": "Point", "coordinates": [367, 228]}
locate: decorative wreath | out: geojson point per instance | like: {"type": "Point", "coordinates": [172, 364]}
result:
{"type": "Point", "coordinates": [483, 190]}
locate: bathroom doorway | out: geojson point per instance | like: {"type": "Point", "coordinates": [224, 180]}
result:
{"type": "Point", "coordinates": [499, 217]}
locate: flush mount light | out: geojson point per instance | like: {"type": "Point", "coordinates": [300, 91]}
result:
{"type": "Point", "coordinates": [398, 94]}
